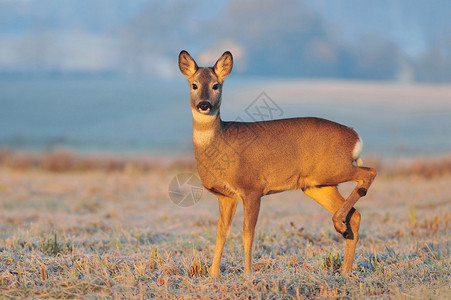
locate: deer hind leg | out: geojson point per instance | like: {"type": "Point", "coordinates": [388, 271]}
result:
{"type": "Point", "coordinates": [227, 208]}
{"type": "Point", "coordinates": [251, 209]}
{"type": "Point", "coordinates": [330, 199]}
{"type": "Point", "coordinates": [364, 177]}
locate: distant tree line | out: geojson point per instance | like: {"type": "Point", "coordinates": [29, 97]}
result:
{"type": "Point", "coordinates": [267, 37]}
{"type": "Point", "coordinates": [287, 39]}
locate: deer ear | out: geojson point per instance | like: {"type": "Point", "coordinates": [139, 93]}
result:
{"type": "Point", "coordinates": [187, 64]}
{"type": "Point", "coordinates": [224, 65]}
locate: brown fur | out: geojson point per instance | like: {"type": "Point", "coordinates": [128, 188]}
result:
{"type": "Point", "coordinates": [245, 161]}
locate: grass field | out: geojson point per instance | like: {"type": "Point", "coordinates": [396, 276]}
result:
{"type": "Point", "coordinates": [94, 229]}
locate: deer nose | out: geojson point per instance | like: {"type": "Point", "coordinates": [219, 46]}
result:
{"type": "Point", "coordinates": [204, 106]}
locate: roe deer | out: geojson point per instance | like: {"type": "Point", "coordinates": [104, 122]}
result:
{"type": "Point", "coordinates": [245, 161]}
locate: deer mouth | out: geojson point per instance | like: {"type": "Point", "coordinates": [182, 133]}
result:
{"type": "Point", "coordinates": [204, 106]}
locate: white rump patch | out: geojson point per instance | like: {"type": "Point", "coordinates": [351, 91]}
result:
{"type": "Point", "coordinates": [356, 152]}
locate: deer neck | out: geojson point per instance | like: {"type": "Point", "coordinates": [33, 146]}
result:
{"type": "Point", "coordinates": [206, 128]}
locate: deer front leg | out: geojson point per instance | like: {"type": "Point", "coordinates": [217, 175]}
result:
{"type": "Point", "coordinates": [364, 177]}
{"type": "Point", "coordinates": [227, 208]}
{"type": "Point", "coordinates": [251, 208]}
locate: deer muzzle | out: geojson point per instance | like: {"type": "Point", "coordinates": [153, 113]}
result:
{"type": "Point", "coordinates": [204, 106]}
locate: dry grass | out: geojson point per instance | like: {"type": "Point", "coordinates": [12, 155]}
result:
{"type": "Point", "coordinates": [67, 161]}
{"type": "Point", "coordinates": [425, 167]}
{"type": "Point", "coordinates": [112, 232]}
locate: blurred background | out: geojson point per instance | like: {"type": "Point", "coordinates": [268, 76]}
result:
{"type": "Point", "coordinates": [101, 75]}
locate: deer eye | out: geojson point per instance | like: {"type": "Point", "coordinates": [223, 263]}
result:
{"type": "Point", "coordinates": [194, 86]}
{"type": "Point", "coordinates": [215, 87]}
